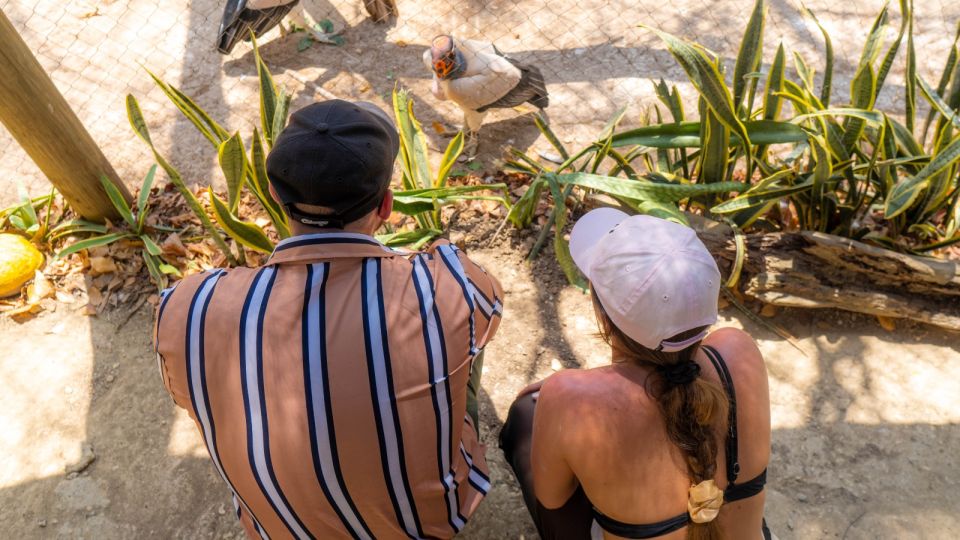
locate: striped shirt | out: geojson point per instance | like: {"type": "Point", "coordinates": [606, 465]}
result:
{"type": "Point", "coordinates": [329, 385]}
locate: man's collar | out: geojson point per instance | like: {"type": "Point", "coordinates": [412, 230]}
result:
{"type": "Point", "coordinates": [316, 246]}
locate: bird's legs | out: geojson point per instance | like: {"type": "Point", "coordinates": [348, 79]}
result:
{"type": "Point", "coordinates": [472, 120]}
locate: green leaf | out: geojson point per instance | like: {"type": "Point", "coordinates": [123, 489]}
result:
{"type": "Point", "coordinates": [413, 145]}
{"type": "Point", "coordinates": [449, 159]}
{"type": "Point", "coordinates": [206, 125]}
{"type": "Point", "coordinates": [260, 185]}
{"type": "Point", "coordinates": [304, 43]}
{"type": "Point", "coordinates": [910, 76]}
{"type": "Point", "coordinates": [281, 112]}
{"type": "Point", "coordinates": [687, 135]}
{"type": "Point", "coordinates": [645, 189]}
{"type": "Point", "coordinates": [938, 103]}
{"type": "Point", "coordinates": [415, 201]}
{"type": "Point", "coordinates": [89, 243]}
{"type": "Point", "coordinates": [414, 239]}
{"type": "Point", "coordinates": [706, 78]}
{"type": "Point", "coordinates": [521, 215]}
{"type": "Point", "coordinates": [326, 26]}
{"type": "Point", "coordinates": [715, 153]}
{"type": "Point", "coordinates": [151, 246]}
{"type": "Point", "coordinates": [74, 226]}
{"type": "Point", "coordinates": [116, 198]}
{"type": "Point", "coordinates": [144, 196]}
{"type": "Point", "coordinates": [153, 268]}
{"type": "Point", "coordinates": [561, 247]}
{"type": "Point", "coordinates": [169, 269]}
{"type": "Point", "coordinates": [550, 135]}
{"type": "Point", "coordinates": [268, 95]}
{"type": "Point", "coordinates": [751, 52]}
{"type": "Point", "coordinates": [137, 122]}
{"type": "Point", "coordinates": [772, 102]}
{"type": "Point", "coordinates": [871, 49]}
{"type": "Point", "coordinates": [827, 86]}
{"type": "Point", "coordinates": [862, 96]}
{"type": "Point", "coordinates": [904, 193]}
{"type": "Point", "coordinates": [243, 232]}
{"type": "Point", "coordinates": [232, 158]}
{"type": "Point", "coordinates": [758, 198]}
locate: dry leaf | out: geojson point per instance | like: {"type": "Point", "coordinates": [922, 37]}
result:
{"type": "Point", "coordinates": [887, 323]}
{"type": "Point", "coordinates": [153, 299]}
{"type": "Point", "coordinates": [89, 310]}
{"type": "Point", "coordinates": [42, 287]}
{"type": "Point", "coordinates": [102, 265]}
{"type": "Point", "coordinates": [94, 295]}
{"type": "Point", "coordinates": [401, 43]}
{"type": "Point", "coordinates": [438, 127]}
{"type": "Point", "coordinates": [65, 298]}
{"type": "Point", "coordinates": [769, 310]}
{"type": "Point", "coordinates": [173, 246]}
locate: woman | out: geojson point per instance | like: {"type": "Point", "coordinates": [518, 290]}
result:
{"type": "Point", "coordinates": [672, 439]}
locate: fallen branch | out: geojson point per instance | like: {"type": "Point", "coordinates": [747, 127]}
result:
{"type": "Point", "coordinates": [817, 270]}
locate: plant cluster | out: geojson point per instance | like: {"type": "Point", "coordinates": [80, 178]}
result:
{"type": "Point", "coordinates": [851, 170]}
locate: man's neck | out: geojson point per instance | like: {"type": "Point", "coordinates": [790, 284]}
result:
{"type": "Point", "coordinates": [298, 229]}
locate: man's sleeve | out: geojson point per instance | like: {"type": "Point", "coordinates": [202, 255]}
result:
{"type": "Point", "coordinates": [169, 338]}
{"type": "Point", "coordinates": [484, 291]}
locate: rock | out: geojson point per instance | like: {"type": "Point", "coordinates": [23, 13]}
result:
{"type": "Point", "coordinates": [110, 378]}
{"type": "Point", "coordinates": [42, 523]}
{"type": "Point", "coordinates": [86, 458]}
{"type": "Point", "coordinates": [802, 497]}
{"type": "Point", "coordinates": [555, 364]}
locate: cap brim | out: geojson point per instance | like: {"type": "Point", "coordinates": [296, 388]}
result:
{"type": "Point", "coordinates": [588, 231]}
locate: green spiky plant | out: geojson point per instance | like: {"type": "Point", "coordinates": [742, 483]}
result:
{"type": "Point", "coordinates": [850, 170]}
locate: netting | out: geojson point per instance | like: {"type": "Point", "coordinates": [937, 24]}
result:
{"type": "Point", "coordinates": [593, 57]}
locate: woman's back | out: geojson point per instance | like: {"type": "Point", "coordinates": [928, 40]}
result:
{"type": "Point", "coordinates": [608, 430]}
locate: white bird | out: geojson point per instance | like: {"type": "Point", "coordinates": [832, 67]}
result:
{"type": "Point", "coordinates": [478, 77]}
{"type": "Point", "coordinates": [242, 16]}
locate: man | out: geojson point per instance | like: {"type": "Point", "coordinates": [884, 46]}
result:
{"type": "Point", "coordinates": [332, 385]}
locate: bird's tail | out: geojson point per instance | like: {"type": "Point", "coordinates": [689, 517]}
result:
{"type": "Point", "coordinates": [238, 21]}
{"type": "Point", "coordinates": [541, 98]}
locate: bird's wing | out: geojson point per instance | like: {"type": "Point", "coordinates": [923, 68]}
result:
{"type": "Point", "coordinates": [239, 18]}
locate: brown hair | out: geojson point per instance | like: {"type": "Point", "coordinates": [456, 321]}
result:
{"type": "Point", "coordinates": [693, 414]}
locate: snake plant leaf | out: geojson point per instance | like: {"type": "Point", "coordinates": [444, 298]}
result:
{"type": "Point", "coordinates": [260, 185]}
{"type": "Point", "coordinates": [413, 145]}
{"type": "Point", "coordinates": [937, 103]}
{"type": "Point", "coordinates": [414, 239]}
{"type": "Point", "coordinates": [116, 198]}
{"type": "Point", "coordinates": [862, 95]}
{"type": "Point", "coordinates": [207, 126]}
{"type": "Point", "coordinates": [561, 246]}
{"type": "Point", "coordinates": [232, 158]}
{"type": "Point", "coordinates": [716, 153]}
{"type": "Point", "coordinates": [415, 201]}
{"type": "Point", "coordinates": [687, 135]}
{"type": "Point", "coordinates": [268, 95]}
{"type": "Point", "coordinates": [645, 189]}
{"type": "Point", "coordinates": [827, 85]}
{"type": "Point", "coordinates": [904, 193]}
{"type": "Point", "coordinates": [450, 156]}
{"type": "Point", "coordinates": [760, 197]}
{"type": "Point", "coordinates": [151, 246]}
{"type": "Point", "coordinates": [245, 233]}
{"type": "Point", "coordinates": [89, 243]}
{"type": "Point", "coordinates": [945, 76]}
{"type": "Point", "coordinates": [705, 77]}
{"type": "Point", "coordinates": [772, 101]}
{"type": "Point", "coordinates": [751, 52]}
{"type": "Point", "coordinates": [144, 196]}
{"type": "Point", "coordinates": [522, 212]}
{"type": "Point", "coordinates": [871, 48]}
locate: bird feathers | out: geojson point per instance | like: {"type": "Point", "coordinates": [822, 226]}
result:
{"type": "Point", "coordinates": [241, 16]}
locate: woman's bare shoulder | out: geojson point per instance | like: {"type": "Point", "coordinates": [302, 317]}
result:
{"type": "Point", "coordinates": [739, 352]}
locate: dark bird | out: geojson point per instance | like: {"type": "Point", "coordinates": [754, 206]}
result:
{"type": "Point", "coordinates": [242, 16]}
{"type": "Point", "coordinates": [478, 77]}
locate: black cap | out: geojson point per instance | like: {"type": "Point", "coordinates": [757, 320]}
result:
{"type": "Point", "coordinates": [336, 154]}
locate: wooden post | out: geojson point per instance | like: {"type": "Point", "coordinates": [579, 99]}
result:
{"type": "Point", "coordinates": [39, 118]}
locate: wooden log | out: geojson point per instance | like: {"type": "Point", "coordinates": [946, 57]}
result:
{"type": "Point", "coordinates": [39, 118]}
{"type": "Point", "coordinates": [817, 270]}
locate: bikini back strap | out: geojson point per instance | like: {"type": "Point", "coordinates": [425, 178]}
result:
{"type": "Point", "coordinates": [733, 459]}
{"type": "Point", "coordinates": [629, 530]}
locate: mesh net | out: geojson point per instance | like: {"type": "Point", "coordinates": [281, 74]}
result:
{"type": "Point", "coordinates": [593, 57]}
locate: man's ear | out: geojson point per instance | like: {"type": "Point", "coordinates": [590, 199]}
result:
{"type": "Point", "coordinates": [386, 206]}
{"type": "Point", "coordinates": [273, 194]}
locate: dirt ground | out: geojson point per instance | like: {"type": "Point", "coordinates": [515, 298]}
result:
{"type": "Point", "coordinates": [866, 423]}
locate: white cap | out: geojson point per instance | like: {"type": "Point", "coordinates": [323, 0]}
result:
{"type": "Point", "coordinates": [654, 278]}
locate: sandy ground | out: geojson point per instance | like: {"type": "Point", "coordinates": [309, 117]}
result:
{"type": "Point", "coordinates": [866, 423]}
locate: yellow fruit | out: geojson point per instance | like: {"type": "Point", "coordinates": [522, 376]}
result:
{"type": "Point", "coordinates": [18, 261]}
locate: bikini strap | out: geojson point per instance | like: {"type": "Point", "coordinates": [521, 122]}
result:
{"type": "Point", "coordinates": [733, 459]}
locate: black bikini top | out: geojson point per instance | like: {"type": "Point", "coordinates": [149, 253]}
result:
{"type": "Point", "coordinates": [734, 491]}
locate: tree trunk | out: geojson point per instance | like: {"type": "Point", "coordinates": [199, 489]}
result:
{"type": "Point", "coordinates": [817, 270]}
{"type": "Point", "coordinates": [39, 118]}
